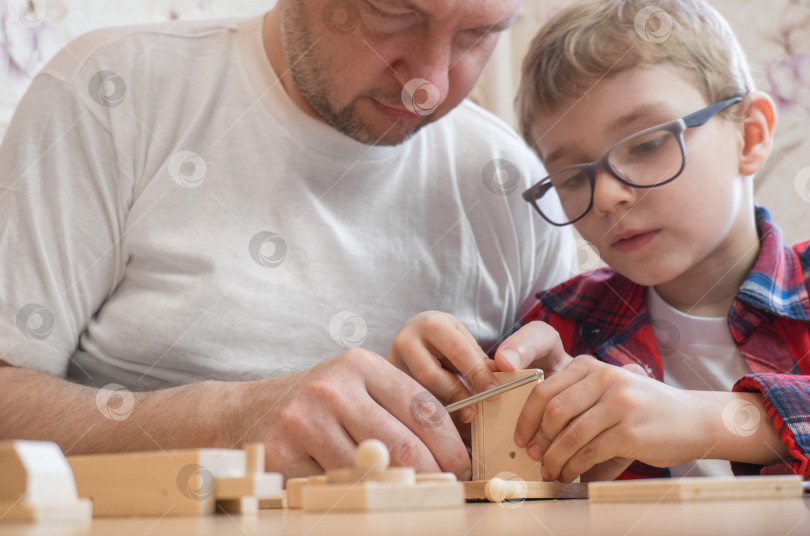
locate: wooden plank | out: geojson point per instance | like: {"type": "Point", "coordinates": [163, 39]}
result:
{"type": "Point", "coordinates": [176, 482]}
{"type": "Point", "coordinates": [476, 490]}
{"type": "Point", "coordinates": [382, 496]}
{"type": "Point", "coordinates": [696, 488]}
{"type": "Point", "coordinates": [371, 486]}
{"type": "Point", "coordinates": [494, 452]}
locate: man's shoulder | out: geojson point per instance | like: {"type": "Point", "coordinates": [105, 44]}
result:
{"type": "Point", "coordinates": [120, 48]}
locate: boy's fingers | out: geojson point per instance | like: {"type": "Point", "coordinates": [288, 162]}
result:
{"type": "Point", "coordinates": [608, 470]}
{"type": "Point", "coordinates": [562, 409]}
{"type": "Point", "coordinates": [535, 345]}
{"type": "Point", "coordinates": [579, 438]}
{"type": "Point", "coordinates": [534, 409]}
{"type": "Point", "coordinates": [595, 460]}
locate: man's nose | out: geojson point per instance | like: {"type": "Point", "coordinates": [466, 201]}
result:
{"type": "Point", "coordinates": [424, 72]}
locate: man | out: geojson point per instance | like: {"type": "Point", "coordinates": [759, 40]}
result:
{"type": "Point", "coordinates": [206, 220]}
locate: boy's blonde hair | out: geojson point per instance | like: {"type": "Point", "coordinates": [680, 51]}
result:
{"type": "Point", "coordinates": [592, 39]}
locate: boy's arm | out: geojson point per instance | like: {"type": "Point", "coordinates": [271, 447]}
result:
{"type": "Point", "coordinates": [785, 401]}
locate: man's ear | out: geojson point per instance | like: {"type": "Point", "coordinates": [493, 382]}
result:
{"type": "Point", "coordinates": [757, 131]}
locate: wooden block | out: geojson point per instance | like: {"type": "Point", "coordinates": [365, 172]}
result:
{"type": "Point", "coordinates": [381, 496]}
{"type": "Point", "coordinates": [294, 488]}
{"type": "Point", "coordinates": [403, 475]}
{"type": "Point", "coordinates": [260, 485]}
{"type": "Point", "coordinates": [435, 477]}
{"type": "Point", "coordinates": [254, 458]}
{"type": "Point", "coordinates": [696, 488]}
{"type": "Point", "coordinates": [494, 451]}
{"type": "Point", "coordinates": [274, 503]}
{"type": "Point", "coordinates": [476, 490]}
{"type": "Point", "coordinates": [176, 482]}
{"type": "Point", "coordinates": [36, 484]}
{"type": "Point", "coordinates": [242, 494]}
{"type": "Point", "coordinates": [241, 505]}
{"type": "Point", "coordinates": [372, 486]}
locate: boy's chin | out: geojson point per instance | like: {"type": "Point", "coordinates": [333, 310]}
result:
{"type": "Point", "coordinates": [645, 278]}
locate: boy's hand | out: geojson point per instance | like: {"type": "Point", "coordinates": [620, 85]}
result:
{"type": "Point", "coordinates": [593, 412]}
{"type": "Point", "coordinates": [535, 345]}
{"type": "Point", "coordinates": [434, 348]}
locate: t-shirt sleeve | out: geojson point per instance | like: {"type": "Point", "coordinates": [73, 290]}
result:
{"type": "Point", "coordinates": [787, 403]}
{"type": "Point", "coordinates": [63, 197]}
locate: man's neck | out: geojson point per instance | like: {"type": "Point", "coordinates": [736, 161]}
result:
{"type": "Point", "coordinates": [274, 49]}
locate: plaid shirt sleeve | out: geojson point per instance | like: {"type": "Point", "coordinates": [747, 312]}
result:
{"type": "Point", "coordinates": [787, 402]}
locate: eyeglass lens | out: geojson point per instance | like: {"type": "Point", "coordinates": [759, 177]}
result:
{"type": "Point", "coordinates": [645, 160]}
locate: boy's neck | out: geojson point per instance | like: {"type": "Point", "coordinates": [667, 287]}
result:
{"type": "Point", "coordinates": [708, 288]}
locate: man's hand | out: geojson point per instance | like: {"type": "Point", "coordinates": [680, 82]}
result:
{"type": "Point", "coordinates": [434, 348]}
{"type": "Point", "coordinates": [313, 420]}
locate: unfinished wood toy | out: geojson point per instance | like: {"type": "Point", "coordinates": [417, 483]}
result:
{"type": "Point", "coordinates": [36, 484]}
{"type": "Point", "coordinates": [175, 482]}
{"type": "Point", "coordinates": [503, 489]}
{"type": "Point", "coordinates": [696, 488]}
{"type": "Point", "coordinates": [373, 486]}
{"type": "Point", "coordinates": [493, 431]}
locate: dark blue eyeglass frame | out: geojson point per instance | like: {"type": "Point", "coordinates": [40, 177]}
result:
{"type": "Point", "coordinates": [676, 127]}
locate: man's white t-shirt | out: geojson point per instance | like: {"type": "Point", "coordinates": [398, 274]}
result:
{"type": "Point", "coordinates": [167, 215]}
{"type": "Point", "coordinates": [698, 354]}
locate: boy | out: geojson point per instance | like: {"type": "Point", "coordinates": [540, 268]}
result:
{"type": "Point", "coordinates": [702, 297]}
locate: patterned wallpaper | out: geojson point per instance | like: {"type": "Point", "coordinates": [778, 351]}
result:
{"type": "Point", "coordinates": [774, 33]}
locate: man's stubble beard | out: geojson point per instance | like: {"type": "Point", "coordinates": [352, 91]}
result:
{"type": "Point", "coordinates": [310, 70]}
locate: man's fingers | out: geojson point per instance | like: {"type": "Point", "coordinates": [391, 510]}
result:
{"type": "Point", "coordinates": [335, 453]}
{"type": "Point", "coordinates": [420, 433]}
{"type": "Point", "coordinates": [535, 345]}
{"type": "Point", "coordinates": [451, 340]}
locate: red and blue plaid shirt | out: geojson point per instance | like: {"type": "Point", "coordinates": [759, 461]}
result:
{"type": "Point", "coordinates": [604, 314]}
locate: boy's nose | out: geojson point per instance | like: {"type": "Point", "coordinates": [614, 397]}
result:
{"type": "Point", "coordinates": [609, 193]}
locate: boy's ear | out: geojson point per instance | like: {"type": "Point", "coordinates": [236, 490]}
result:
{"type": "Point", "coordinates": [757, 131]}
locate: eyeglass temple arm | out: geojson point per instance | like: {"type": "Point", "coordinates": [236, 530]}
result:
{"type": "Point", "coordinates": [700, 117]}
{"type": "Point", "coordinates": [536, 192]}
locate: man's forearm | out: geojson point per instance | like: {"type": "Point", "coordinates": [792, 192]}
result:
{"type": "Point", "coordinates": [37, 406]}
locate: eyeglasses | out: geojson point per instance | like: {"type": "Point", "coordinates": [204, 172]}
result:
{"type": "Point", "coordinates": [650, 158]}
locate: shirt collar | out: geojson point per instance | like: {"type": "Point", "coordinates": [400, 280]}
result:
{"type": "Point", "coordinates": [776, 283]}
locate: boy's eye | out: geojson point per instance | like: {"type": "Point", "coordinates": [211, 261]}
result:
{"type": "Point", "coordinates": [570, 180]}
{"type": "Point", "coordinates": [648, 145]}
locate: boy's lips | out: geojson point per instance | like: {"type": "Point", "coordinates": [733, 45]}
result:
{"type": "Point", "coordinates": [633, 240]}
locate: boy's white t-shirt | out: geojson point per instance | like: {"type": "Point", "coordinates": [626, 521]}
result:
{"type": "Point", "coordinates": [699, 354]}
{"type": "Point", "coordinates": [167, 215]}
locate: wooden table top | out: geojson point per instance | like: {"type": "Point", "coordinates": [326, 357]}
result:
{"type": "Point", "coordinates": [774, 517]}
